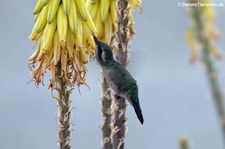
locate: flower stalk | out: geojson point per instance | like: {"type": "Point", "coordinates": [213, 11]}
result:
{"type": "Point", "coordinates": [122, 56]}
{"type": "Point", "coordinates": [64, 111]}
{"type": "Point", "coordinates": [119, 122]}
{"type": "Point", "coordinates": [104, 14]}
{"type": "Point", "coordinates": [204, 33]}
{"type": "Point", "coordinates": [106, 102]}
{"type": "Point", "coordinates": [112, 21]}
{"type": "Point", "coordinates": [63, 34]}
{"type": "Point", "coordinates": [184, 143]}
{"type": "Point", "coordinates": [124, 35]}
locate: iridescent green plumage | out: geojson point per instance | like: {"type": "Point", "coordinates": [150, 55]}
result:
{"type": "Point", "coordinates": [117, 77]}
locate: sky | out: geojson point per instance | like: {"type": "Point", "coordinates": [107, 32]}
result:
{"type": "Point", "coordinates": [174, 94]}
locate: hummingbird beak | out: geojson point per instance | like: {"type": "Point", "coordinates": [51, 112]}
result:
{"type": "Point", "coordinates": [96, 40]}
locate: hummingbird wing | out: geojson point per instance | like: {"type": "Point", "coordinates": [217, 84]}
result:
{"type": "Point", "coordinates": [124, 85]}
{"type": "Point", "coordinates": [131, 95]}
{"type": "Point", "coordinates": [117, 76]}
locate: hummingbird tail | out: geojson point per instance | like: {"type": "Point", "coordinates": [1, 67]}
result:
{"type": "Point", "coordinates": [138, 112]}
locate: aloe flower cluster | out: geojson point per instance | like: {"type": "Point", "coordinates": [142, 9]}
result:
{"type": "Point", "coordinates": [208, 31]}
{"type": "Point", "coordinates": [62, 33]}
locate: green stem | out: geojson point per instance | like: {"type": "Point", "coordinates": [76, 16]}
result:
{"type": "Point", "coordinates": [214, 85]}
{"type": "Point", "coordinates": [213, 81]}
{"type": "Point", "coordinates": [210, 68]}
{"type": "Point", "coordinates": [64, 111]}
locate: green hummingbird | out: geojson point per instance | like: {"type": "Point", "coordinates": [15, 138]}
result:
{"type": "Point", "coordinates": [118, 78]}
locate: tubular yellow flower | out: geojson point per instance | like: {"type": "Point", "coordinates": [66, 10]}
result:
{"type": "Point", "coordinates": [209, 30]}
{"type": "Point", "coordinates": [133, 4]}
{"type": "Point", "coordinates": [136, 3]}
{"type": "Point", "coordinates": [104, 14]}
{"type": "Point", "coordinates": [63, 33]}
{"type": "Point", "coordinates": [193, 44]}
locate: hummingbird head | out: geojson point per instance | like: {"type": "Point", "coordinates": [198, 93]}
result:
{"type": "Point", "coordinates": [103, 52]}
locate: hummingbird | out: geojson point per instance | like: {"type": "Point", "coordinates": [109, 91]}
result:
{"type": "Point", "coordinates": [117, 77]}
